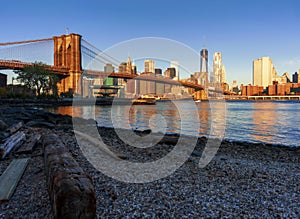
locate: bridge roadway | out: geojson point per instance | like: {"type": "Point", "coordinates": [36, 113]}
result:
{"type": "Point", "coordinates": [146, 76]}
{"type": "Point", "coordinates": [18, 65]}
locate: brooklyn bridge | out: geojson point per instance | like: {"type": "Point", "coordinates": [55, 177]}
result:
{"type": "Point", "coordinates": [68, 52]}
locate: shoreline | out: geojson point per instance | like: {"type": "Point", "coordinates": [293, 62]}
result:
{"type": "Point", "coordinates": [103, 101]}
{"type": "Point", "coordinates": [242, 180]}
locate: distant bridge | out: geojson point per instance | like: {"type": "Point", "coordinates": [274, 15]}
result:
{"type": "Point", "coordinates": [68, 51]}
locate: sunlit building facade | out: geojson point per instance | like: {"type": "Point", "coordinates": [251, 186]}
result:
{"type": "Point", "coordinates": [217, 67]}
{"type": "Point", "coordinates": [263, 72]}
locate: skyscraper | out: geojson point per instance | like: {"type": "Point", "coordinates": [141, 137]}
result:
{"type": "Point", "coordinates": [128, 66]}
{"type": "Point", "coordinates": [217, 67]}
{"type": "Point", "coordinates": [149, 66]}
{"type": "Point", "coordinates": [148, 87]}
{"type": "Point", "coordinates": [263, 72]}
{"type": "Point", "coordinates": [170, 73]}
{"type": "Point", "coordinates": [108, 68]}
{"type": "Point", "coordinates": [296, 78]}
{"type": "Point", "coordinates": [223, 74]}
{"type": "Point", "coordinates": [134, 70]}
{"type": "Point", "coordinates": [204, 60]}
{"type": "Point", "coordinates": [174, 64]}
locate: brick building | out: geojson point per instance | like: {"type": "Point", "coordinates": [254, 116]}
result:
{"type": "Point", "coordinates": [250, 90]}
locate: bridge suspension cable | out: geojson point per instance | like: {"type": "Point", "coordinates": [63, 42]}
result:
{"type": "Point", "coordinates": [88, 53]}
{"type": "Point", "coordinates": [25, 41]}
{"type": "Point", "coordinates": [94, 55]}
{"type": "Point", "coordinates": [102, 52]}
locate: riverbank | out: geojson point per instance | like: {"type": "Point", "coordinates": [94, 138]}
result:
{"type": "Point", "coordinates": [242, 180]}
{"type": "Point", "coordinates": [125, 101]}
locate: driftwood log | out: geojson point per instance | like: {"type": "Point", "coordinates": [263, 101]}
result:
{"type": "Point", "coordinates": [28, 146]}
{"type": "Point", "coordinates": [12, 129]}
{"type": "Point", "coordinates": [11, 143]}
{"type": "Point", "coordinates": [71, 190]}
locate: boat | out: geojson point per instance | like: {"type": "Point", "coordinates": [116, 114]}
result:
{"type": "Point", "coordinates": [144, 100]}
{"type": "Point", "coordinates": [197, 101]}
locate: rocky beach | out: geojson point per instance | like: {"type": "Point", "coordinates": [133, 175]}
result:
{"type": "Point", "coordinates": [242, 181]}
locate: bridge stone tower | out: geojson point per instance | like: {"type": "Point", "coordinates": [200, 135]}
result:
{"type": "Point", "coordinates": [67, 53]}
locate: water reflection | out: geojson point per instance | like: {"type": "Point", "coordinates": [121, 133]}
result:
{"type": "Point", "coordinates": [269, 122]}
{"type": "Point", "coordinates": [264, 119]}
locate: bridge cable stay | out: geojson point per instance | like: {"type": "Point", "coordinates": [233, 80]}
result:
{"type": "Point", "coordinates": [95, 55]}
{"type": "Point", "coordinates": [91, 55]}
{"type": "Point", "coordinates": [102, 52]}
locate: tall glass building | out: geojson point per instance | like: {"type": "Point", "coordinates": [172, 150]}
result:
{"type": "Point", "coordinates": [204, 60]}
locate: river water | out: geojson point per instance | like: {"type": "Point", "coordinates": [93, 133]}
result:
{"type": "Point", "coordinates": [276, 122]}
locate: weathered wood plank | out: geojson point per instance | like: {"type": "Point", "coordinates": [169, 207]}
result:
{"type": "Point", "coordinates": [28, 146]}
{"type": "Point", "coordinates": [11, 176]}
{"type": "Point", "coordinates": [12, 143]}
{"type": "Point", "coordinates": [14, 128]}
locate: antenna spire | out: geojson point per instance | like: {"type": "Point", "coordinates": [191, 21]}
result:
{"type": "Point", "coordinates": [204, 41]}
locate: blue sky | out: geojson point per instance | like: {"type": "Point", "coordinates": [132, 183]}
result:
{"type": "Point", "coordinates": [241, 30]}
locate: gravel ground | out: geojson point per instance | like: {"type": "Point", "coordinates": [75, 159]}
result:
{"type": "Point", "coordinates": [242, 181]}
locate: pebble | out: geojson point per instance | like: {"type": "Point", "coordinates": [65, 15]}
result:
{"type": "Point", "coordinates": [243, 180]}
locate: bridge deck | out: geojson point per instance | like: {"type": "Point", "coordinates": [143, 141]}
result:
{"type": "Point", "coordinates": [18, 65]}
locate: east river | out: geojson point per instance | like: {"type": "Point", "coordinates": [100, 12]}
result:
{"type": "Point", "coordinates": [275, 122]}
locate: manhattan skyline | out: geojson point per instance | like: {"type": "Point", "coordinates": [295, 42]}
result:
{"type": "Point", "coordinates": [241, 30]}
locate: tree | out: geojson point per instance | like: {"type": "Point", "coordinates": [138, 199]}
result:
{"type": "Point", "coordinates": [37, 76]}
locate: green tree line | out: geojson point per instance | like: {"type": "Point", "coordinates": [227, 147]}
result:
{"type": "Point", "coordinates": [38, 77]}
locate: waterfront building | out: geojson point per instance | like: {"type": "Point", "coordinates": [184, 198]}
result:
{"type": "Point", "coordinates": [295, 88]}
{"type": "Point", "coordinates": [296, 77]}
{"type": "Point", "coordinates": [263, 72]}
{"type": "Point", "coordinates": [279, 89]}
{"type": "Point", "coordinates": [204, 60]}
{"type": "Point", "coordinates": [250, 90]}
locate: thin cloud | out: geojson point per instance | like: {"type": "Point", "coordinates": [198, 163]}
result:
{"type": "Point", "coordinates": [293, 62]}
